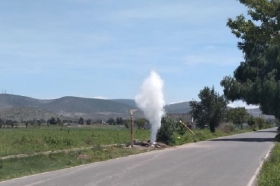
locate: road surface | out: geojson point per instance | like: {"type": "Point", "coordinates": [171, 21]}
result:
{"type": "Point", "coordinates": [227, 161]}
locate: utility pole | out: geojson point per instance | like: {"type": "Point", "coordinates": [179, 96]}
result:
{"type": "Point", "coordinates": [131, 127]}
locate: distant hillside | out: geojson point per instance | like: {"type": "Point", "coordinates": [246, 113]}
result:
{"type": "Point", "coordinates": [182, 107]}
{"type": "Point", "coordinates": [26, 108]}
{"type": "Point", "coordinates": [80, 106]}
{"type": "Point", "coordinates": [129, 102]}
{"type": "Point", "coordinates": [256, 112]}
{"type": "Point", "coordinates": [23, 113]}
{"type": "Point", "coordinates": [8, 100]}
{"type": "Point", "coordinates": [69, 106]}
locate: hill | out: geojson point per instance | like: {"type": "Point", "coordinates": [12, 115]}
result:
{"type": "Point", "coordinates": [256, 112]}
{"type": "Point", "coordinates": [182, 107]}
{"type": "Point", "coordinates": [129, 102]}
{"type": "Point", "coordinates": [22, 107]}
{"type": "Point", "coordinates": [25, 108]}
{"type": "Point", "coordinates": [9, 100]}
{"type": "Point", "coordinates": [68, 106]}
{"type": "Point", "coordinates": [25, 113]}
{"type": "Point", "coordinates": [84, 106]}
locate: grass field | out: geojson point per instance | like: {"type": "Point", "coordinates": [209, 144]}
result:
{"type": "Point", "coordinates": [30, 140]}
{"type": "Point", "coordinates": [17, 167]}
{"type": "Point", "coordinates": [33, 140]}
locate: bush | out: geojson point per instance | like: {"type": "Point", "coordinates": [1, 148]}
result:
{"type": "Point", "coordinates": [166, 132]}
{"type": "Point", "coordinates": [260, 122]}
{"type": "Point", "coordinates": [277, 137]}
{"type": "Point", "coordinates": [180, 129]}
{"type": "Point", "coordinates": [227, 128]}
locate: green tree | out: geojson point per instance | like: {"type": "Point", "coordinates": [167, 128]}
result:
{"type": "Point", "coordinates": [238, 116]}
{"type": "Point", "coordinates": [59, 122]}
{"type": "Point", "coordinates": [39, 123]}
{"type": "Point", "coordinates": [119, 121]}
{"type": "Point", "coordinates": [260, 122]}
{"type": "Point", "coordinates": [26, 123]}
{"type": "Point", "coordinates": [1, 123]}
{"type": "Point", "coordinates": [251, 122]}
{"type": "Point", "coordinates": [126, 123]}
{"type": "Point", "coordinates": [88, 121]}
{"type": "Point", "coordinates": [141, 123]}
{"type": "Point", "coordinates": [210, 109]}
{"type": "Point", "coordinates": [52, 121]}
{"type": "Point", "coordinates": [166, 132]}
{"type": "Point", "coordinates": [257, 79]}
{"type": "Point", "coordinates": [81, 121]}
{"type": "Point", "coordinates": [10, 123]}
{"type": "Point", "coordinates": [111, 121]}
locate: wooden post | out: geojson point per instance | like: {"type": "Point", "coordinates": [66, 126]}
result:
{"type": "Point", "coordinates": [131, 128]}
{"type": "Point", "coordinates": [186, 127]}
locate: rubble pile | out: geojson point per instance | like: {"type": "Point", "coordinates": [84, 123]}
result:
{"type": "Point", "coordinates": [147, 144]}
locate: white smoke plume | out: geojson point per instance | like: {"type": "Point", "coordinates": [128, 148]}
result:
{"type": "Point", "coordinates": [150, 100]}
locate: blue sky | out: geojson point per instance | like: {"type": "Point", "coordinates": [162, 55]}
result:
{"type": "Point", "coordinates": [90, 48]}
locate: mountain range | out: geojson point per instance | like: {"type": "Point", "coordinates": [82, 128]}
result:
{"type": "Point", "coordinates": [18, 107]}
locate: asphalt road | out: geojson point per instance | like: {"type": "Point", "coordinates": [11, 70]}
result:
{"type": "Point", "coordinates": [227, 161]}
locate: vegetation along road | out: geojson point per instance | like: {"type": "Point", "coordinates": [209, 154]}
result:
{"type": "Point", "coordinates": [231, 161]}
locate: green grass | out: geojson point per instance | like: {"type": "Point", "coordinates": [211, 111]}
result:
{"type": "Point", "coordinates": [30, 140]}
{"type": "Point", "coordinates": [18, 167]}
{"type": "Point", "coordinates": [205, 134]}
{"type": "Point", "coordinates": [269, 174]}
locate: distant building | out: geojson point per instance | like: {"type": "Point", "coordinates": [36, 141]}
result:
{"type": "Point", "coordinates": [185, 117]}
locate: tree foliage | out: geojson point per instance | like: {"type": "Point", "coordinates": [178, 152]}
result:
{"type": "Point", "coordinates": [260, 122]}
{"type": "Point", "coordinates": [210, 109]}
{"type": "Point", "coordinates": [88, 121]}
{"type": "Point", "coordinates": [251, 121]}
{"type": "Point", "coordinates": [141, 123]}
{"type": "Point", "coordinates": [238, 116]}
{"type": "Point", "coordinates": [81, 121]}
{"type": "Point", "coordinates": [166, 132]}
{"type": "Point", "coordinates": [126, 123]}
{"type": "Point", "coordinates": [52, 121]}
{"type": "Point", "coordinates": [1, 123]}
{"type": "Point", "coordinates": [58, 121]}
{"type": "Point", "coordinates": [257, 79]}
{"type": "Point", "coordinates": [119, 121]}
{"type": "Point", "coordinates": [111, 121]}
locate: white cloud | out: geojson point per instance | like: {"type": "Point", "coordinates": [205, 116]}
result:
{"type": "Point", "coordinates": [241, 104]}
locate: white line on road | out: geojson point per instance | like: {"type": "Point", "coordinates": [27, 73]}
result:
{"type": "Point", "coordinates": [253, 179]}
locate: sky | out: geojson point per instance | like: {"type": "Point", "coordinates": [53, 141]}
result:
{"type": "Point", "coordinates": [105, 49]}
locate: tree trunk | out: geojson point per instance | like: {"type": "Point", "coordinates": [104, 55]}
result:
{"type": "Point", "coordinates": [212, 127]}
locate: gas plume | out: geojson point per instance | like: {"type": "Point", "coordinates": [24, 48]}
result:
{"type": "Point", "coordinates": [151, 101]}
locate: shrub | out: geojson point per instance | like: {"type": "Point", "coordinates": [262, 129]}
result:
{"type": "Point", "coordinates": [180, 129]}
{"type": "Point", "coordinates": [277, 137]}
{"type": "Point", "coordinates": [228, 128]}
{"type": "Point", "coordinates": [166, 132]}
{"type": "Point", "coordinates": [260, 122]}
